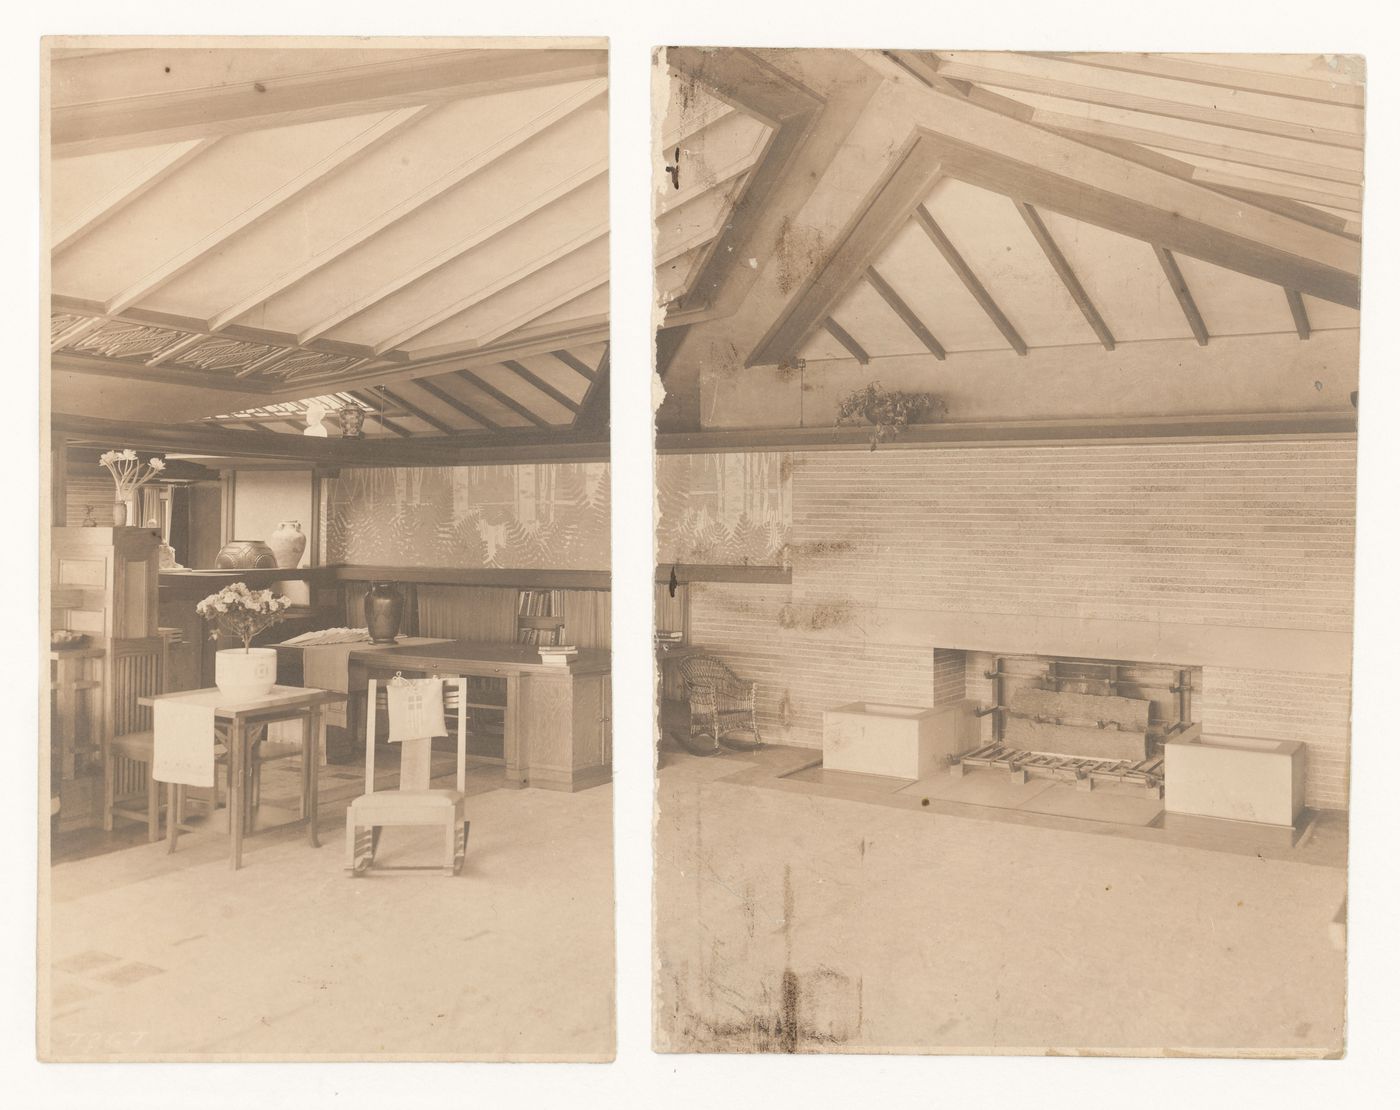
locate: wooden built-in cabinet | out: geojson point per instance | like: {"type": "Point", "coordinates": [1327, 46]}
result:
{"type": "Point", "coordinates": [104, 584]}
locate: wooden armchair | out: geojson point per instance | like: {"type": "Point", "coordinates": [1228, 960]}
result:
{"type": "Point", "coordinates": [721, 704]}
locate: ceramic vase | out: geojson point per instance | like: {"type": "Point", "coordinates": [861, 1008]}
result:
{"type": "Point", "coordinates": [383, 612]}
{"type": "Point", "coordinates": [245, 675]}
{"type": "Point", "coordinates": [245, 555]}
{"type": "Point", "coordinates": [119, 514]}
{"type": "Point", "coordinates": [288, 543]}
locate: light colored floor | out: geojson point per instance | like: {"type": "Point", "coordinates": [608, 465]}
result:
{"type": "Point", "coordinates": [789, 919]}
{"type": "Point", "coordinates": [158, 956]}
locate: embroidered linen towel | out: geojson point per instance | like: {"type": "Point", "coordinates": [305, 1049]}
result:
{"type": "Point", "coordinates": [415, 709]}
{"type": "Point", "coordinates": [184, 742]}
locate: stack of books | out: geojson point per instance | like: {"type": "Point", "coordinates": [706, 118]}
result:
{"type": "Point", "coordinates": [557, 654]}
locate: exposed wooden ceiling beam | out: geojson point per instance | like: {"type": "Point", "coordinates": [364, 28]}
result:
{"type": "Point", "coordinates": [969, 279]}
{"type": "Point", "coordinates": [744, 78]}
{"type": "Point", "coordinates": [504, 398]}
{"type": "Point", "coordinates": [1300, 313]}
{"type": "Point", "coordinates": [1060, 264]}
{"type": "Point", "coordinates": [842, 336]}
{"type": "Point", "coordinates": [1183, 294]}
{"type": "Point", "coordinates": [576, 364]}
{"type": "Point", "coordinates": [904, 312]}
{"type": "Point", "coordinates": [1165, 140]}
{"type": "Point", "coordinates": [594, 410]}
{"type": "Point", "coordinates": [147, 176]}
{"type": "Point", "coordinates": [1201, 72]}
{"type": "Point", "coordinates": [1078, 180]}
{"type": "Point", "coordinates": [453, 403]}
{"type": "Point", "coordinates": [147, 120]}
{"type": "Point", "coordinates": [878, 220]}
{"type": "Point", "coordinates": [461, 449]}
{"type": "Point", "coordinates": [414, 203]}
{"type": "Point", "coordinates": [1186, 171]}
{"type": "Point", "coordinates": [414, 410]}
{"type": "Point", "coordinates": [542, 385]}
{"type": "Point", "coordinates": [985, 75]}
{"type": "Point", "coordinates": [357, 147]}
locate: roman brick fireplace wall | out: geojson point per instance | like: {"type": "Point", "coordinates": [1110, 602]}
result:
{"type": "Point", "coordinates": [907, 563]}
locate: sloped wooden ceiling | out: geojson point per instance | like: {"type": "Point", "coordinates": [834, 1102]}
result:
{"type": "Point", "coordinates": [941, 204]}
{"type": "Point", "coordinates": [426, 230]}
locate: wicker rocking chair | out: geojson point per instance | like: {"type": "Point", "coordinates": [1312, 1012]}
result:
{"type": "Point", "coordinates": [721, 704]}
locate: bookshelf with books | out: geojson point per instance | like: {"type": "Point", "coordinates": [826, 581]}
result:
{"type": "Point", "coordinates": [539, 617]}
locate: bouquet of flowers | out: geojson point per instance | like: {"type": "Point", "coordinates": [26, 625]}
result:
{"type": "Point", "coordinates": [129, 472]}
{"type": "Point", "coordinates": [239, 611]}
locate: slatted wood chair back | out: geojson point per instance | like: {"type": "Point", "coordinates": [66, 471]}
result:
{"type": "Point", "coordinates": [416, 754]}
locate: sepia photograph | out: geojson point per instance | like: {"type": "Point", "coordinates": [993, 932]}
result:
{"type": "Point", "coordinates": [1006, 451]}
{"type": "Point", "coordinates": [325, 551]}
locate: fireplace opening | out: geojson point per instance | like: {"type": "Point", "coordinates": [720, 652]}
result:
{"type": "Point", "coordinates": [1086, 719]}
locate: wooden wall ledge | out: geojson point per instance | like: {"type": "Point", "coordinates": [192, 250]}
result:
{"type": "Point", "coordinates": [702, 572]}
{"type": "Point", "coordinates": [190, 583]}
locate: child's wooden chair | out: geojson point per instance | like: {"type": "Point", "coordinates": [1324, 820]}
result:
{"type": "Point", "coordinates": [414, 802]}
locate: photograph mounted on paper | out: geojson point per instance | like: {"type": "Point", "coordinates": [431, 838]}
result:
{"type": "Point", "coordinates": [327, 388]}
{"type": "Point", "coordinates": [1006, 495]}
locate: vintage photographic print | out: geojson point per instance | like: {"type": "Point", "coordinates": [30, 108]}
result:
{"type": "Point", "coordinates": [328, 677]}
{"type": "Point", "coordinates": [1005, 488]}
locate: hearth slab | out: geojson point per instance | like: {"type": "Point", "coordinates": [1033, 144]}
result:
{"type": "Point", "coordinates": [980, 788]}
{"type": "Point", "coordinates": [850, 780]}
{"type": "Point", "coordinates": [1114, 805]}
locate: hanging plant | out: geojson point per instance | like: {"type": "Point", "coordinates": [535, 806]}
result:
{"type": "Point", "coordinates": [889, 410]}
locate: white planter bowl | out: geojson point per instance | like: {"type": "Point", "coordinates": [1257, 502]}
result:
{"type": "Point", "coordinates": [245, 675]}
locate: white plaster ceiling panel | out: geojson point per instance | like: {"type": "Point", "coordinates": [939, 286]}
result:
{"type": "Point", "coordinates": [1232, 303]}
{"type": "Point", "coordinates": [1325, 315]}
{"type": "Point", "coordinates": [1123, 278]}
{"type": "Point", "coordinates": [995, 242]}
{"type": "Point", "coordinates": [565, 379]}
{"type": "Point", "coordinates": [413, 394]}
{"type": "Point", "coordinates": [583, 307]}
{"type": "Point", "coordinates": [533, 176]}
{"type": "Point", "coordinates": [206, 197]}
{"type": "Point", "coordinates": [673, 276]}
{"type": "Point", "coordinates": [713, 157]}
{"type": "Point", "coordinates": [513, 385]}
{"type": "Point", "coordinates": [482, 402]}
{"type": "Point", "coordinates": [516, 256]}
{"type": "Point", "coordinates": [821, 346]}
{"type": "Point", "coordinates": [689, 108]}
{"type": "Point", "coordinates": [928, 285]}
{"type": "Point", "coordinates": [518, 305]}
{"type": "Point", "coordinates": [414, 162]}
{"type": "Point", "coordinates": [875, 326]}
{"type": "Point", "coordinates": [84, 181]}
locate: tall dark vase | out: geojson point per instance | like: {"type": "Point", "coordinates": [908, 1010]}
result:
{"type": "Point", "coordinates": [383, 612]}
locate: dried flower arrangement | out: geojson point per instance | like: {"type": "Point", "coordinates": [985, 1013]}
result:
{"type": "Point", "coordinates": [889, 410]}
{"type": "Point", "coordinates": [129, 472]}
{"type": "Point", "coordinates": [239, 611]}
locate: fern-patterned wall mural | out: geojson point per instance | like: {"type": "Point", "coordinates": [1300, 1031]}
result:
{"type": "Point", "coordinates": [553, 516]}
{"type": "Point", "coordinates": [733, 509]}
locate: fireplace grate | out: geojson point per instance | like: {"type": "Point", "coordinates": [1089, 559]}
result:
{"type": "Point", "coordinates": [1147, 773]}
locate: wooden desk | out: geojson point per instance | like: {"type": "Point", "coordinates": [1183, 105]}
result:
{"type": "Point", "coordinates": [285, 703]}
{"type": "Point", "coordinates": [558, 732]}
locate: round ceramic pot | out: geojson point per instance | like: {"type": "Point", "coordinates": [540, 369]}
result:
{"type": "Point", "coordinates": [383, 612]}
{"type": "Point", "coordinates": [352, 422]}
{"type": "Point", "coordinates": [245, 555]}
{"type": "Point", "coordinates": [288, 542]}
{"type": "Point", "coordinates": [245, 675]}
